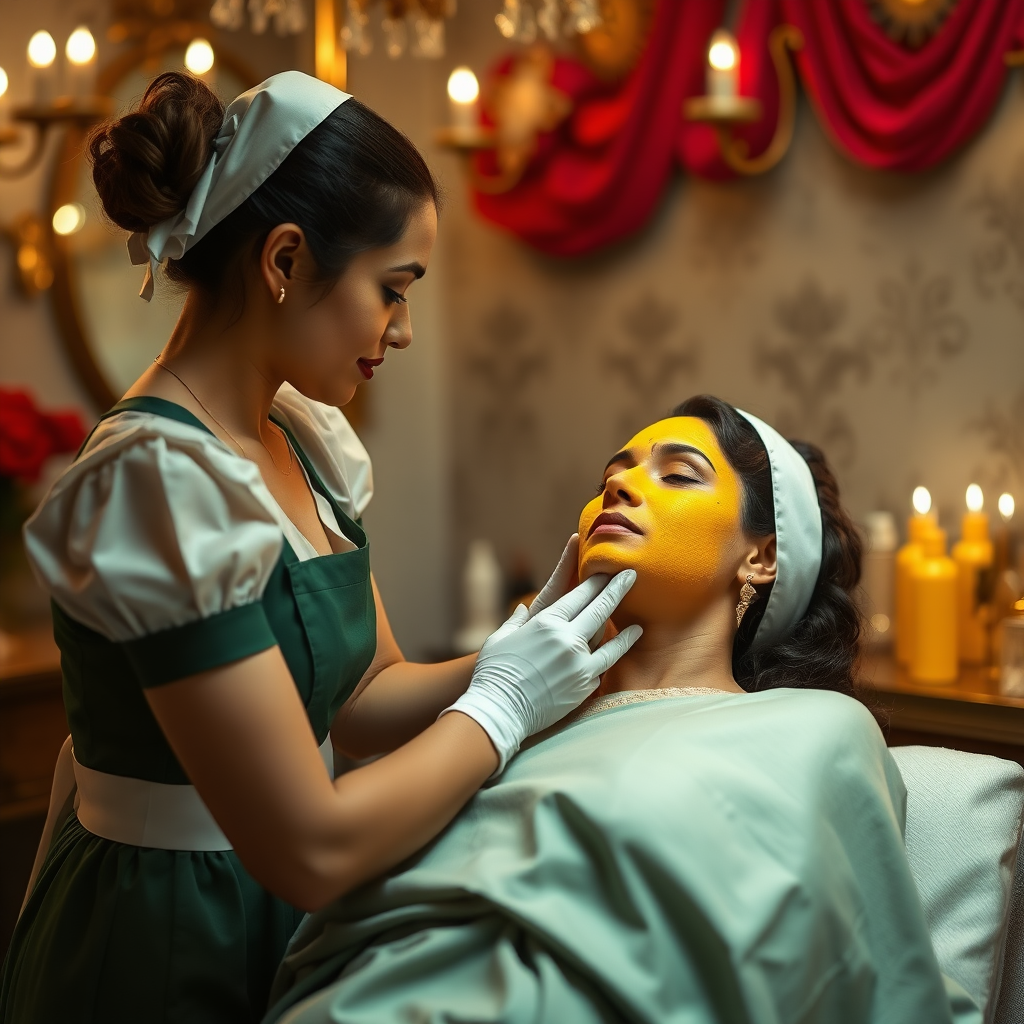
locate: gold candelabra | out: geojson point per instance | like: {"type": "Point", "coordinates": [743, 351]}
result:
{"type": "Point", "coordinates": [723, 108]}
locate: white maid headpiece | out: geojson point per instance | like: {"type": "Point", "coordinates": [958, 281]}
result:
{"type": "Point", "coordinates": [261, 127]}
{"type": "Point", "coordinates": [797, 536]}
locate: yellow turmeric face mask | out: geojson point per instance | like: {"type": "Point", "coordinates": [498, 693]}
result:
{"type": "Point", "coordinates": [670, 508]}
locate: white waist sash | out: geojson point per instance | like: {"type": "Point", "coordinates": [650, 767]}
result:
{"type": "Point", "coordinates": [153, 814]}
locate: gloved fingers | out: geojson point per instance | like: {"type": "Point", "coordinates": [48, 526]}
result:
{"type": "Point", "coordinates": [511, 624]}
{"type": "Point", "coordinates": [558, 585]}
{"type": "Point", "coordinates": [606, 632]}
{"type": "Point", "coordinates": [595, 615]}
{"type": "Point", "coordinates": [570, 605]}
{"type": "Point", "coordinates": [604, 657]}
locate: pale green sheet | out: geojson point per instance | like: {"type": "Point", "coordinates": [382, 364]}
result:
{"type": "Point", "coordinates": [733, 858]}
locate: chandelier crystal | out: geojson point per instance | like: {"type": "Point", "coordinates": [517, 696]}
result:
{"type": "Point", "coordinates": [413, 25]}
{"type": "Point", "coordinates": [287, 16]}
{"type": "Point", "coordinates": [522, 21]}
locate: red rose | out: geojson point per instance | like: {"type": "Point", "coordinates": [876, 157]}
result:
{"type": "Point", "coordinates": [25, 443]}
{"type": "Point", "coordinates": [67, 431]}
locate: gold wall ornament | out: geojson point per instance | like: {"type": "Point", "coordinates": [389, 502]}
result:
{"type": "Point", "coordinates": [522, 104]}
{"type": "Point", "coordinates": [33, 254]}
{"type": "Point", "coordinates": [611, 50]}
{"type": "Point", "coordinates": [911, 22]}
{"type": "Point", "coordinates": [723, 112]}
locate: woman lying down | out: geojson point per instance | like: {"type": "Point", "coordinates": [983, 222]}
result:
{"type": "Point", "coordinates": [717, 837]}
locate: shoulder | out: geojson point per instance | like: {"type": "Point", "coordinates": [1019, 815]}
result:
{"type": "Point", "coordinates": [330, 443]}
{"type": "Point", "coordinates": [820, 720]}
{"type": "Point", "coordinates": [155, 524]}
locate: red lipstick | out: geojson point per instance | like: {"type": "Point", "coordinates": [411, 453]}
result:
{"type": "Point", "coordinates": [613, 523]}
{"type": "Point", "coordinates": [366, 366]}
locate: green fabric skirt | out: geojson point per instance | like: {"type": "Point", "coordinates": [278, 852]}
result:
{"type": "Point", "coordinates": [138, 935]}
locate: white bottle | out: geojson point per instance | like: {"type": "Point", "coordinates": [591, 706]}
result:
{"type": "Point", "coordinates": [877, 580]}
{"type": "Point", "coordinates": [482, 586]}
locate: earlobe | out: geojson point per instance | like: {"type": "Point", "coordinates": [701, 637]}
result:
{"type": "Point", "coordinates": [282, 256]}
{"type": "Point", "coordinates": [762, 562]}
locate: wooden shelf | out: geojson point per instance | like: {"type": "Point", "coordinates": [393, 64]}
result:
{"type": "Point", "coordinates": [970, 708]}
{"type": "Point", "coordinates": [27, 655]}
{"type": "Point", "coordinates": [32, 722]}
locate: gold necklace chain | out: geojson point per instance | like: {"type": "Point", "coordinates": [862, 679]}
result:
{"type": "Point", "coordinates": [237, 444]}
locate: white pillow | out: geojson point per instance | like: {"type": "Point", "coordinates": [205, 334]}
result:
{"type": "Point", "coordinates": [964, 817]}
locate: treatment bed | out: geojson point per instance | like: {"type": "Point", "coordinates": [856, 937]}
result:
{"type": "Point", "coordinates": [554, 875]}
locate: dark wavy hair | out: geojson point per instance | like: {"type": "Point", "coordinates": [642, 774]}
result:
{"type": "Point", "coordinates": [821, 652]}
{"type": "Point", "coordinates": [351, 184]}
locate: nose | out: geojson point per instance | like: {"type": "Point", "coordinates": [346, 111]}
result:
{"type": "Point", "coordinates": [398, 333]}
{"type": "Point", "coordinates": [620, 490]}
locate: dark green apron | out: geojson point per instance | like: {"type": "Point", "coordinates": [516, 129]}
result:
{"type": "Point", "coordinates": [118, 933]}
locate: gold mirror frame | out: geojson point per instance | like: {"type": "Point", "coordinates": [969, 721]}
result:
{"type": "Point", "coordinates": [63, 189]}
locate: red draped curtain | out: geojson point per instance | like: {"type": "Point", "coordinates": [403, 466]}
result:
{"type": "Point", "coordinates": [600, 175]}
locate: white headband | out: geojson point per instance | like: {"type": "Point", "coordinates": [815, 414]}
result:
{"type": "Point", "coordinates": [261, 127]}
{"type": "Point", "coordinates": [797, 535]}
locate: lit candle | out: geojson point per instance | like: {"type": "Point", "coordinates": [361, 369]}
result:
{"type": "Point", "coordinates": [974, 556]}
{"type": "Point", "coordinates": [723, 75]}
{"type": "Point", "coordinates": [463, 92]}
{"type": "Point", "coordinates": [41, 53]}
{"type": "Point", "coordinates": [919, 526]}
{"type": "Point", "coordinates": [1006, 507]}
{"type": "Point", "coordinates": [1003, 539]}
{"type": "Point", "coordinates": [81, 53]}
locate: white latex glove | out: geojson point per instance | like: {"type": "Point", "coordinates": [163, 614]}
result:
{"type": "Point", "coordinates": [538, 666]}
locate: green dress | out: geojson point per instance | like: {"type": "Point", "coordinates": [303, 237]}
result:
{"type": "Point", "coordinates": [166, 556]}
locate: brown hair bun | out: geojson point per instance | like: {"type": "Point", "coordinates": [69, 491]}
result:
{"type": "Point", "coordinates": [145, 164]}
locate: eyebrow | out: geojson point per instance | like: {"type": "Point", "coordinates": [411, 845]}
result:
{"type": "Point", "coordinates": [416, 269]}
{"type": "Point", "coordinates": [665, 448]}
{"type": "Point", "coordinates": [675, 448]}
{"type": "Point", "coordinates": [622, 456]}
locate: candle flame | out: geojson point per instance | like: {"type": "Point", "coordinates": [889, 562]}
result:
{"type": "Point", "coordinates": [69, 218]}
{"type": "Point", "coordinates": [723, 53]}
{"type": "Point", "coordinates": [199, 57]}
{"type": "Point", "coordinates": [1006, 506]}
{"type": "Point", "coordinates": [975, 498]}
{"type": "Point", "coordinates": [4, 81]}
{"type": "Point", "coordinates": [81, 47]}
{"type": "Point", "coordinates": [463, 86]}
{"type": "Point", "coordinates": [41, 50]}
{"type": "Point", "coordinates": [922, 501]}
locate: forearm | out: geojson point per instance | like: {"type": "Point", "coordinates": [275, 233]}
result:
{"type": "Point", "coordinates": [385, 811]}
{"type": "Point", "coordinates": [400, 702]}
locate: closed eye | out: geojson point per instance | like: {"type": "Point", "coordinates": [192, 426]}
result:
{"type": "Point", "coordinates": [391, 297]}
{"type": "Point", "coordinates": [679, 478]}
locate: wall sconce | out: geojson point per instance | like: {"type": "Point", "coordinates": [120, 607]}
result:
{"type": "Point", "coordinates": [522, 104]}
{"type": "Point", "coordinates": [723, 108]}
{"type": "Point", "coordinates": [464, 132]}
{"type": "Point", "coordinates": [78, 106]}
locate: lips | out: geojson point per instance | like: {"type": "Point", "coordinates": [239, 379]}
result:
{"type": "Point", "coordinates": [366, 366]}
{"type": "Point", "coordinates": [612, 524]}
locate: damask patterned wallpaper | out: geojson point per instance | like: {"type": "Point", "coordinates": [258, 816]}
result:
{"type": "Point", "coordinates": [878, 316]}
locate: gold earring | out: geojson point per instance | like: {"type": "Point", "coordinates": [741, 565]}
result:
{"type": "Point", "coordinates": [748, 595]}
{"type": "Point", "coordinates": [280, 297]}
